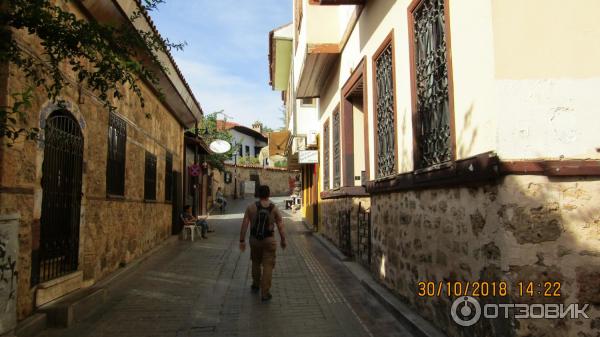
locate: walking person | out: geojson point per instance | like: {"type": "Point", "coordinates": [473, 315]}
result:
{"type": "Point", "coordinates": [262, 217]}
{"type": "Point", "coordinates": [221, 201]}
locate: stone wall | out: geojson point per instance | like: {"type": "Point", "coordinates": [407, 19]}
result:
{"type": "Point", "coordinates": [112, 231]}
{"type": "Point", "coordinates": [277, 179]}
{"type": "Point", "coordinates": [329, 216]}
{"type": "Point", "coordinates": [9, 255]}
{"type": "Point", "coordinates": [526, 228]}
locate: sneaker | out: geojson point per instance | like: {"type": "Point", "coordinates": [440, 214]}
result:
{"type": "Point", "coordinates": [266, 297]}
{"type": "Point", "coordinates": [254, 288]}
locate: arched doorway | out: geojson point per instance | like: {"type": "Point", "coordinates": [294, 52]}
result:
{"type": "Point", "coordinates": [58, 249]}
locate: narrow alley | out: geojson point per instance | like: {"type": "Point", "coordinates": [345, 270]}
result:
{"type": "Point", "coordinates": [202, 288]}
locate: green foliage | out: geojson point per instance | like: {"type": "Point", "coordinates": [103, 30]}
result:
{"type": "Point", "coordinates": [281, 163]}
{"type": "Point", "coordinates": [107, 59]}
{"type": "Point", "coordinates": [248, 160]}
{"type": "Point", "coordinates": [209, 132]}
{"type": "Point", "coordinates": [11, 116]}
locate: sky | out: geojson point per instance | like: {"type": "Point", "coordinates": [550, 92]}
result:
{"type": "Point", "coordinates": [226, 61]}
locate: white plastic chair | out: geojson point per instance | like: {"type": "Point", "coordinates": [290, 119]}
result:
{"type": "Point", "coordinates": [192, 229]}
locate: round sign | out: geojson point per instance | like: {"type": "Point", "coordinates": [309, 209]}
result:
{"type": "Point", "coordinates": [219, 146]}
{"type": "Point", "coordinates": [195, 170]}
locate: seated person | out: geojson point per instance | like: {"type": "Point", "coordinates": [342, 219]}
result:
{"type": "Point", "coordinates": [220, 199]}
{"type": "Point", "coordinates": [189, 219]}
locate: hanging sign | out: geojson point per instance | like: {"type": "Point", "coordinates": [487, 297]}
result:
{"type": "Point", "coordinates": [227, 177]}
{"type": "Point", "coordinates": [195, 170]}
{"type": "Point", "coordinates": [308, 157]}
{"type": "Point", "coordinates": [219, 146]}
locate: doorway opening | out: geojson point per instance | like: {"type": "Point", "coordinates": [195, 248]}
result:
{"type": "Point", "coordinates": [57, 251]}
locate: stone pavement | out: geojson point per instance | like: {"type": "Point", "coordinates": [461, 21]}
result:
{"type": "Point", "coordinates": [202, 288]}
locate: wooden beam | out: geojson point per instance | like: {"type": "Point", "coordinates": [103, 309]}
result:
{"type": "Point", "coordinates": [484, 168]}
{"type": "Point", "coordinates": [324, 48]}
{"type": "Point", "coordinates": [336, 2]}
{"type": "Point", "coordinates": [571, 168]}
{"type": "Point", "coordinates": [345, 192]}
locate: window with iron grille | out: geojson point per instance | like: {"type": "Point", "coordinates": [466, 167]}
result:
{"type": "Point", "coordinates": [150, 177]}
{"type": "Point", "coordinates": [326, 156]}
{"type": "Point", "coordinates": [247, 150]}
{"type": "Point", "coordinates": [335, 125]}
{"type": "Point", "coordinates": [431, 83]}
{"type": "Point", "coordinates": [115, 167]}
{"type": "Point", "coordinates": [169, 177]}
{"type": "Point", "coordinates": [308, 102]}
{"type": "Point", "coordinates": [385, 121]}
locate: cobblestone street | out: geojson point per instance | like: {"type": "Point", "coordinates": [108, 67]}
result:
{"type": "Point", "coordinates": [202, 288]}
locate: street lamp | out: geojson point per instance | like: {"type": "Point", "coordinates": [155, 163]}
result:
{"type": "Point", "coordinates": [235, 154]}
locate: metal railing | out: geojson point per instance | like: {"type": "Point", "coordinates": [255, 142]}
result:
{"type": "Point", "coordinates": [345, 232]}
{"type": "Point", "coordinates": [364, 236]}
{"type": "Point", "coordinates": [58, 250]}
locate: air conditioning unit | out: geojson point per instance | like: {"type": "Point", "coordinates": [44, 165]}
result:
{"type": "Point", "coordinates": [300, 143]}
{"type": "Point", "coordinates": [311, 138]}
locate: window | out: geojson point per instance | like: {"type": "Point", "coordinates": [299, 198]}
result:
{"type": "Point", "coordinates": [169, 177]}
{"type": "Point", "coordinates": [150, 177]}
{"type": "Point", "coordinates": [240, 150]}
{"type": "Point", "coordinates": [247, 150]}
{"type": "Point", "coordinates": [431, 106]}
{"type": "Point", "coordinates": [385, 111]}
{"type": "Point", "coordinates": [257, 151]}
{"type": "Point", "coordinates": [326, 156]}
{"type": "Point", "coordinates": [308, 102]}
{"type": "Point", "coordinates": [335, 125]}
{"type": "Point", "coordinates": [115, 168]}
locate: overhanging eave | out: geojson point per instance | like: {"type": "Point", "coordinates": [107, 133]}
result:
{"type": "Point", "coordinates": [318, 63]}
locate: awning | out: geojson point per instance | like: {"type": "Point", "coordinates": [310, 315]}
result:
{"type": "Point", "coordinates": [278, 142]}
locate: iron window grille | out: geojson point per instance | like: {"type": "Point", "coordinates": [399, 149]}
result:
{"type": "Point", "coordinates": [385, 112]}
{"type": "Point", "coordinates": [431, 75]}
{"type": "Point", "coordinates": [150, 177]}
{"type": "Point", "coordinates": [337, 174]}
{"type": "Point", "coordinates": [169, 177]}
{"type": "Point", "coordinates": [115, 168]}
{"type": "Point", "coordinates": [326, 156]}
{"type": "Point", "coordinates": [58, 241]}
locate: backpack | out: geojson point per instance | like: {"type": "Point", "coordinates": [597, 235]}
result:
{"type": "Point", "coordinates": [261, 225]}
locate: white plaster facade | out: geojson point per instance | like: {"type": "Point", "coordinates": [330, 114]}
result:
{"type": "Point", "coordinates": [524, 78]}
{"type": "Point", "coordinates": [250, 146]}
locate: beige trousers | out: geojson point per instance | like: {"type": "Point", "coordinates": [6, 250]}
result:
{"type": "Point", "coordinates": [262, 253]}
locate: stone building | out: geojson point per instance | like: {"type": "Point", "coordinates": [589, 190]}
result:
{"type": "Point", "coordinates": [97, 190]}
{"type": "Point", "coordinates": [457, 144]}
{"type": "Point", "coordinates": [232, 179]}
